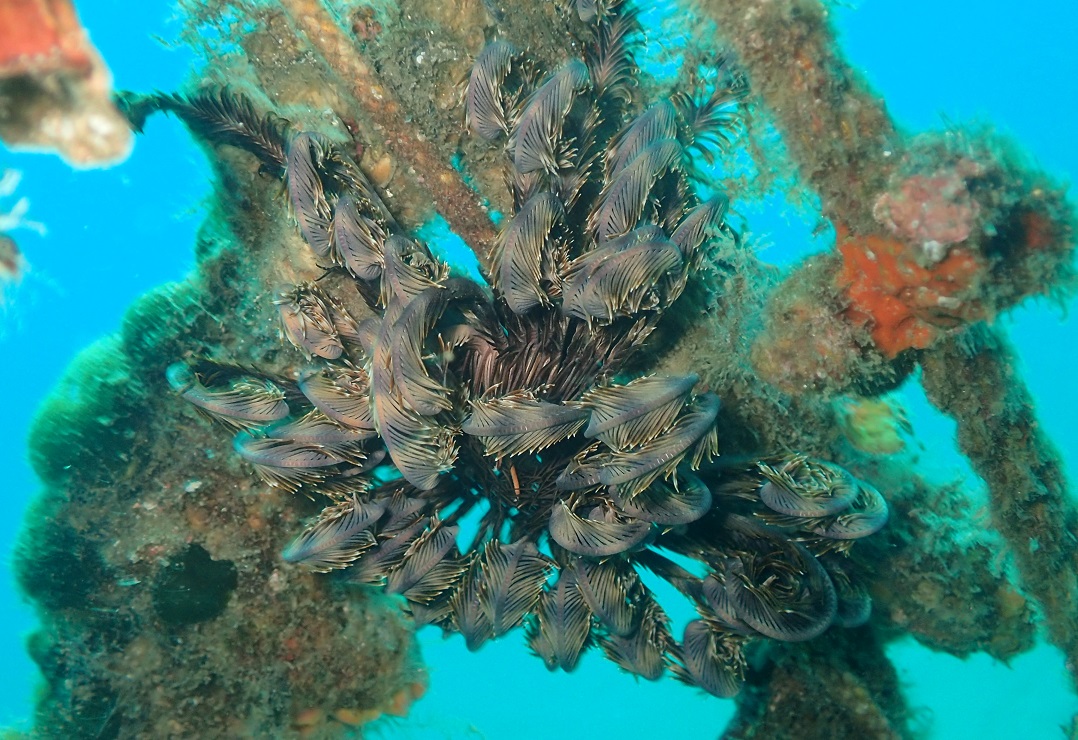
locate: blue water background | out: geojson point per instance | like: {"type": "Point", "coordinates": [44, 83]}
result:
{"type": "Point", "coordinates": [114, 234]}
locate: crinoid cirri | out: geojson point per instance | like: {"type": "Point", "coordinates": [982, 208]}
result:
{"type": "Point", "coordinates": [485, 451]}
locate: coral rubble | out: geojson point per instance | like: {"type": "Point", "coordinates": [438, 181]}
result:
{"type": "Point", "coordinates": [512, 453]}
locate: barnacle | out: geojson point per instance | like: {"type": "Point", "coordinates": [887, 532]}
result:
{"type": "Point", "coordinates": [527, 476]}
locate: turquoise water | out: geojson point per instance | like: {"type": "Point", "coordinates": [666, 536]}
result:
{"type": "Point", "coordinates": [113, 234]}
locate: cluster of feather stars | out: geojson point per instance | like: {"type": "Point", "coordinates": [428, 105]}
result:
{"type": "Point", "coordinates": [483, 456]}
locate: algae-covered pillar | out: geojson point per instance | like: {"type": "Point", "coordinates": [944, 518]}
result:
{"type": "Point", "coordinates": [156, 572]}
{"type": "Point", "coordinates": [936, 234]}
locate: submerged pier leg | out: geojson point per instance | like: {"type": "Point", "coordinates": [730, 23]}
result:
{"type": "Point", "coordinates": [839, 686]}
{"type": "Point", "coordinates": [893, 302]}
{"type": "Point", "coordinates": [447, 191]}
{"type": "Point", "coordinates": [999, 433]}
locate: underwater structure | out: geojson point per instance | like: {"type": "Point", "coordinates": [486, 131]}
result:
{"type": "Point", "coordinates": [330, 434]}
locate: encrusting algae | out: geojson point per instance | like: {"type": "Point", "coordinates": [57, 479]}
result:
{"type": "Point", "coordinates": [511, 452]}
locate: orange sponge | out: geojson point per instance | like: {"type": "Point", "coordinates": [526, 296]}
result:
{"type": "Point", "coordinates": [903, 303]}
